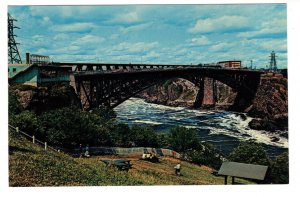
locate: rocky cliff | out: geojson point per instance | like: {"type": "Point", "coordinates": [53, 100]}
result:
{"type": "Point", "coordinates": [39, 99]}
{"type": "Point", "coordinates": [177, 92]}
{"type": "Point", "coordinates": [270, 105]}
{"type": "Point", "coordinates": [180, 92]}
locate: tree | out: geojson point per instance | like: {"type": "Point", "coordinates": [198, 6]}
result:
{"type": "Point", "coordinates": [163, 140]}
{"type": "Point", "coordinates": [280, 169]}
{"type": "Point", "coordinates": [205, 154]}
{"type": "Point", "coordinates": [27, 121]}
{"type": "Point", "coordinates": [183, 139]}
{"type": "Point", "coordinates": [14, 106]}
{"type": "Point", "coordinates": [105, 113]}
{"type": "Point", "coordinates": [143, 136]}
{"type": "Point", "coordinates": [250, 152]}
{"type": "Point", "coordinates": [71, 126]}
{"type": "Point", "coordinates": [120, 135]}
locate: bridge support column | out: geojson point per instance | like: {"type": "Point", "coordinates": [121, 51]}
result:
{"type": "Point", "coordinates": [209, 93]}
{"type": "Point", "coordinates": [206, 94]}
{"type": "Point", "coordinates": [200, 94]}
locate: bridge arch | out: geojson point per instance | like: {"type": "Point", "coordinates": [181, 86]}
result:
{"type": "Point", "coordinates": [111, 89]}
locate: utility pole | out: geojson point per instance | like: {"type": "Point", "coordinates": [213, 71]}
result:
{"type": "Point", "coordinates": [13, 53]}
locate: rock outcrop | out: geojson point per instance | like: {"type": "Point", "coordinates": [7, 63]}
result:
{"type": "Point", "coordinates": [270, 105]}
{"type": "Point", "coordinates": [178, 92]}
{"type": "Point", "coordinates": [39, 99]}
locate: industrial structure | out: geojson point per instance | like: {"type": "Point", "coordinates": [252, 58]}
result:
{"type": "Point", "coordinates": [230, 64]}
{"type": "Point", "coordinates": [13, 53]}
{"type": "Point", "coordinates": [37, 59]}
{"type": "Point", "coordinates": [15, 68]}
{"type": "Point", "coordinates": [273, 62]}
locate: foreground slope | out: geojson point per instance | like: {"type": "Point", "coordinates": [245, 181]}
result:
{"type": "Point", "coordinates": [31, 165]}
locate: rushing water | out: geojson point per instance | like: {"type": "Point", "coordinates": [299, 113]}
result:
{"type": "Point", "coordinates": [222, 128]}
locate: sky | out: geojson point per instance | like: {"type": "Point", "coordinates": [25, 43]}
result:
{"type": "Point", "coordinates": [166, 34]}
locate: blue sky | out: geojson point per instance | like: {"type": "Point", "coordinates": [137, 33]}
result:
{"type": "Point", "coordinates": [168, 34]}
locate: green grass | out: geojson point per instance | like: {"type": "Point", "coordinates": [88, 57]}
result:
{"type": "Point", "coordinates": [31, 165]}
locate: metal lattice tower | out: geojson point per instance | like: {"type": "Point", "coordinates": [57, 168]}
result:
{"type": "Point", "coordinates": [273, 63]}
{"type": "Point", "coordinates": [13, 53]}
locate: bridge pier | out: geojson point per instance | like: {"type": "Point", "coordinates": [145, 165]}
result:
{"type": "Point", "coordinates": [200, 94]}
{"type": "Point", "coordinates": [206, 96]}
{"type": "Point", "coordinates": [209, 93]}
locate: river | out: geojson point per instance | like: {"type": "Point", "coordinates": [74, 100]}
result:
{"type": "Point", "coordinates": [223, 129]}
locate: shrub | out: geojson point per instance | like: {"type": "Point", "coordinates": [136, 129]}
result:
{"type": "Point", "coordinates": [70, 126]}
{"type": "Point", "coordinates": [280, 169]}
{"type": "Point", "coordinates": [143, 136]}
{"type": "Point", "coordinates": [14, 106]}
{"type": "Point", "coordinates": [27, 121]}
{"type": "Point", "coordinates": [250, 152]}
{"type": "Point", "coordinates": [183, 139]}
{"type": "Point", "coordinates": [205, 154]}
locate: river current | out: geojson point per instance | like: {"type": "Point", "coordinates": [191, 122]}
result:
{"type": "Point", "coordinates": [223, 129]}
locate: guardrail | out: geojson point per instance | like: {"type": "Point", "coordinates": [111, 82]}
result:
{"type": "Point", "coordinates": [33, 139]}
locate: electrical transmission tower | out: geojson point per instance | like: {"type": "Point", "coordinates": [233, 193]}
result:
{"type": "Point", "coordinates": [273, 64]}
{"type": "Point", "coordinates": [13, 53]}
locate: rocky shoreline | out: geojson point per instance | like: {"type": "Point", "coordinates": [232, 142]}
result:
{"type": "Point", "coordinates": [269, 108]}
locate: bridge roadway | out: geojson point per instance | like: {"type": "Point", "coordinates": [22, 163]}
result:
{"type": "Point", "coordinates": [107, 84]}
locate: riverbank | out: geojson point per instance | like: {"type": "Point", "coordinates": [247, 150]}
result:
{"type": "Point", "coordinates": [30, 165]}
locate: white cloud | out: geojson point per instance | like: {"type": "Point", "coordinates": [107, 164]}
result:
{"type": "Point", "coordinates": [202, 40]}
{"type": "Point", "coordinates": [135, 47]}
{"type": "Point", "coordinates": [216, 24]}
{"type": "Point", "coordinates": [274, 26]}
{"type": "Point", "coordinates": [130, 17]}
{"type": "Point", "coordinates": [46, 19]}
{"type": "Point", "coordinates": [74, 27]}
{"type": "Point", "coordinates": [134, 28]}
{"type": "Point", "coordinates": [221, 46]}
{"type": "Point", "coordinates": [88, 40]}
{"type": "Point", "coordinates": [114, 36]}
{"type": "Point", "coordinates": [73, 48]}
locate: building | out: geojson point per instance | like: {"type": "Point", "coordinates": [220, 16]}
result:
{"type": "Point", "coordinates": [231, 64]}
{"type": "Point", "coordinates": [37, 59]}
{"type": "Point", "coordinates": [36, 75]}
{"type": "Point", "coordinates": [13, 69]}
{"type": "Point", "coordinates": [38, 72]}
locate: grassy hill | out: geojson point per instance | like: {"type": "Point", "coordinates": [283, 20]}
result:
{"type": "Point", "coordinates": [31, 165]}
